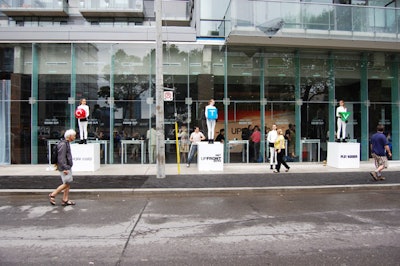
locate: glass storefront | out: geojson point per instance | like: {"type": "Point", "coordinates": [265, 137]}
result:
{"type": "Point", "coordinates": [252, 86]}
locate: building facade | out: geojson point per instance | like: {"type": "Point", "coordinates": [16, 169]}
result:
{"type": "Point", "coordinates": [264, 62]}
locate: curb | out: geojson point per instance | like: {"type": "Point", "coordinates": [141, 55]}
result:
{"type": "Point", "coordinates": [209, 191]}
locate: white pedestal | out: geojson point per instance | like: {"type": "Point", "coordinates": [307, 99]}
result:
{"type": "Point", "coordinates": [343, 155]}
{"type": "Point", "coordinates": [210, 156]}
{"type": "Point", "coordinates": [86, 157]}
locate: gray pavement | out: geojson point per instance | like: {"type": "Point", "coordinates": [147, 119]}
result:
{"type": "Point", "coordinates": [234, 177]}
{"type": "Point", "coordinates": [312, 215]}
{"type": "Point", "coordinates": [275, 228]}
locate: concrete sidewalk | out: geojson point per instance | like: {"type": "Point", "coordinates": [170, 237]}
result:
{"type": "Point", "coordinates": [172, 169]}
{"type": "Point", "coordinates": [137, 177]}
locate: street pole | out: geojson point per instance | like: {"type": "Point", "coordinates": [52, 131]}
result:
{"type": "Point", "coordinates": [159, 93]}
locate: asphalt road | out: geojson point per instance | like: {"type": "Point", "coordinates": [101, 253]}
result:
{"type": "Point", "coordinates": [274, 228]}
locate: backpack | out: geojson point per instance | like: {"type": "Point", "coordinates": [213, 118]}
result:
{"type": "Point", "coordinates": [54, 153]}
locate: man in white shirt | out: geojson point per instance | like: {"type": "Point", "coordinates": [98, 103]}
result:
{"type": "Point", "coordinates": [271, 138]}
{"type": "Point", "coordinates": [195, 138]}
{"type": "Point", "coordinates": [151, 136]}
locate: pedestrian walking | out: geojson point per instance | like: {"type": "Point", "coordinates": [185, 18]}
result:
{"type": "Point", "coordinates": [280, 151]}
{"type": "Point", "coordinates": [64, 166]}
{"type": "Point", "coordinates": [379, 149]}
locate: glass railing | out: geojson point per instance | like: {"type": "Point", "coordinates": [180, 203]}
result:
{"type": "Point", "coordinates": [35, 4]}
{"type": "Point", "coordinates": [111, 4]}
{"type": "Point", "coordinates": [294, 19]}
{"type": "Point", "coordinates": [176, 10]}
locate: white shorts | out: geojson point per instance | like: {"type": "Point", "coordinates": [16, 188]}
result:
{"type": "Point", "coordinates": [66, 178]}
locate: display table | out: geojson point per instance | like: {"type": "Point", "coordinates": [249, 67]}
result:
{"type": "Point", "coordinates": [313, 149]}
{"type": "Point", "coordinates": [343, 155]}
{"type": "Point", "coordinates": [86, 157]}
{"type": "Point", "coordinates": [244, 149]}
{"type": "Point", "coordinates": [124, 149]}
{"type": "Point", "coordinates": [210, 156]}
{"type": "Point", "coordinates": [105, 143]}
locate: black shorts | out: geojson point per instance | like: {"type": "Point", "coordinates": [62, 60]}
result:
{"type": "Point", "coordinates": [271, 145]}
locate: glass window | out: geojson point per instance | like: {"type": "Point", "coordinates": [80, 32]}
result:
{"type": "Point", "coordinates": [379, 91]}
{"type": "Point", "coordinates": [54, 83]}
{"type": "Point", "coordinates": [348, 88]}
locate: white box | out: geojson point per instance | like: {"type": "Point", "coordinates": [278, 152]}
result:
{"type": "Point", "coordinates": [210, 156]}
{"type": "Point", "coordinates": [86, 157]}
{"type": "Point", "coordinates": [343, 155]}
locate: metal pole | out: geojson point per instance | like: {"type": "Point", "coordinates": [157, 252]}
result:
{"type": "Point", "coordinates": [159, 93]}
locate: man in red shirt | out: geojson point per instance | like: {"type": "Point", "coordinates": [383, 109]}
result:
{"type": "Point", "coordinates": [256, 139]}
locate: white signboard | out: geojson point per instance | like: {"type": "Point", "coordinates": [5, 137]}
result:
{"type": "Point", "coordinates": [210, 156]}
{"type": "Point", "coordinates": [86, 157]}
{"type": "Point", "coordinates": [343, 155]}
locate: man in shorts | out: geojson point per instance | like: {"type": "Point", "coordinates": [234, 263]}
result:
{"type": "Point", "coordinates": [379, 149]}
{"type": "Point", "coordinates": [64, 165]}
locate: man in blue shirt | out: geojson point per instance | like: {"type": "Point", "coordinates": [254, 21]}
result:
{"type": "Point", "coordinates": [379, 149]}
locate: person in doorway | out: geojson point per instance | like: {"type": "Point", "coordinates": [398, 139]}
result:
{"type": "Point", "coordinates": [290, 136]}
{"type": "Point", "coordinates": [256, 140]}
{"type": "Point", "coordinates": [184, 143]}
{"type": "Point", "coordinates": [221, 136]}
{"type": "Point", "coordinates": [341, 122]}
{"type": "Point", "coordinates": [83, 122]}
{"type": "Point", "coordinates": [211, 113]}
{"type": "Point", "coordinates": [100, 136]}
{"type": "Point", "coordinates": [279, 146]}
{"type": "Point", "coordinates": [64, 166]}
{"type": "Point", "coordinates": [97, 116]}
{"type": "Point", "coordinates": [151, 137]}
{"type": "Point", "coordinates": [271, 138]}
{"type": "Point", "coordinates": [195, 138]}
{"type": "Point", "coordinates": [135, 147]}
{"type": "Point", "coordinates": [380, 152]}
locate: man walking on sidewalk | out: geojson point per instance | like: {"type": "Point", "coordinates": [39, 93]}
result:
{"type": "Point", "coordinates": [379, 148]}
{"type": "Point", "coordinates": [64, 165]}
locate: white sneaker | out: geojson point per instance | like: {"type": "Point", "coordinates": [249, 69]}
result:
{"type": "Point", "coordinates": [188, 165]}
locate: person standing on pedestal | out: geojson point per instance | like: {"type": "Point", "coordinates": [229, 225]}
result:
{"type": "Point", "coordinates": [341, 122]}
{"type": "Point", "coordinates": [211, 113]}
{"type": "Point", "coordinates": [83, 122]}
